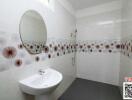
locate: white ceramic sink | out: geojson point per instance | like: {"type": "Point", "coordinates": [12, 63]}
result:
{"type": "Point", "coordinates": [41, 84]}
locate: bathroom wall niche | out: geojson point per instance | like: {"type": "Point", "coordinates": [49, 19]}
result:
{"type": "Point", "coordinates": [33, 32]}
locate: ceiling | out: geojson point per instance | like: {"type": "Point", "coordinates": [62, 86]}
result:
{"type": "Point", "coordinates": [81, 4]}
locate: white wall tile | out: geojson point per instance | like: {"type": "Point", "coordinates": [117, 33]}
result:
{"type": "Point", "coordinates": [103, 24]}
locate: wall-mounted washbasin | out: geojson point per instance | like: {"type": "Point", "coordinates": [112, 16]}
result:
{"type": "Point", "coordinates": [41, 83]}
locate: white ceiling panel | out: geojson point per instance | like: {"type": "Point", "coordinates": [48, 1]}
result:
{"type": "Point", "coordinates": [81, 4]}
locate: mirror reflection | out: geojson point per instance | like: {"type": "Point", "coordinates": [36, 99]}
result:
{"type": "Point", "coordinates": [33, 32]}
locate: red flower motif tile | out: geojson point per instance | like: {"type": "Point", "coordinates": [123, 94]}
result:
{"type": "Point", "coordinates": [37, 58]}
{"type": "Point", "coordinates": [18, 62]}
{"type": "Point", "coordinates": [9, 52]}
{"type": "Point", "coordinates": [55, 48]}
{"type": "Point", "coordinates": [46, 49]}
{"type": "Point", "coordinates": [20, 46]}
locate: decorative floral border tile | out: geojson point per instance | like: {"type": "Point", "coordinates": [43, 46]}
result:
{"type": "Point", "coordinates": [105, 46]}
{"type": "Point", "coordinates": [126, 47]}
{"type": "Point", "coordinates": [13, 53]}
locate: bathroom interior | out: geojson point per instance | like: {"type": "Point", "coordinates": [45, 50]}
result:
{"type": "Point", "coordinates": [65, 49]}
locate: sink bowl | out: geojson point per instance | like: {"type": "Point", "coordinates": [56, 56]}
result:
{"type": "Point", "coordinates": [41, 84]}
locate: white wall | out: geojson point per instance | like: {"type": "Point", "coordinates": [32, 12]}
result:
{"type": "Point", "coordinates": [60, 23]}
{"type": "Point", "coordinates": [126, 18]}
{"type": "Point", "coordinates": [99, 23]}
{"type": "Point", "coordinates": [99, 67]}
{"type": "Point", "coordinates": [126, 61]}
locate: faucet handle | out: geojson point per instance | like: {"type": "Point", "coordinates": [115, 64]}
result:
{"type": "Point", "coordinates": [41, 71]}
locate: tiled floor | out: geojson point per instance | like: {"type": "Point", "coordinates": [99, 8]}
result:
{"type": "Point", "coordinates": [89, 90]}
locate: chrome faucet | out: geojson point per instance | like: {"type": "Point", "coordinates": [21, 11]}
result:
{"type": "Point", "coordinates": [41, 71]}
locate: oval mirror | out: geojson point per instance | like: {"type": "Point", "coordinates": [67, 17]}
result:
{"type": "Point", "coordinates": [33, 32]}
